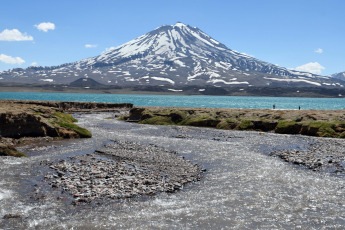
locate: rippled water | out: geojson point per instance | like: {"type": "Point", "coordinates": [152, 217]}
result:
{"type": "Point", "coordinates": [187, 101]}
{"type": "Point", "coordinates": [243, 187]}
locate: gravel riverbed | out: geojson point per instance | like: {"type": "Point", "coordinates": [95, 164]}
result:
{"type": "Point", "coordinates": [123, 170]}
{"type": "Point", "coordinates": [325, 154]}
{"type": "Point", "coordinates": [244, 187]}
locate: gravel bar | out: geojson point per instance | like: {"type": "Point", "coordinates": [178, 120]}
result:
{"type": "Point", "coordinates": [123, 170]}
{"type": "Point", "coordinates": [327, 155]}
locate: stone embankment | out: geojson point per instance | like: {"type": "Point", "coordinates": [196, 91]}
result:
{"type": "Point", "coordinates": [320, 123]}
{"type": "Point", "coordinates": [123, 170]}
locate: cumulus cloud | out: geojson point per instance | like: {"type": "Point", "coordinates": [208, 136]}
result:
{"type": "Point", "coordinates": [319, 50]}
{"type": "Point", "coordinates": [91, 46]}
{"type": "Point", "coordinates": [14, 35]}
{"type": "Point", "coordinates": [34, 64]}
{"type": "Point", "coordinates": [11, 60]}
{"type": "Point", "coordinates": [45, 26]}
{"type": "Point", "coordinates": [311, 67]}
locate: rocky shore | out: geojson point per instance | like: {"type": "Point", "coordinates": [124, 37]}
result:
{"type": "Point", "coordinates": [122, 170]}
{"type": "Point", "coordinates": [325, 155]}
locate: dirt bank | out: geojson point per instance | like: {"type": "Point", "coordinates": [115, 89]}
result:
{"type": "Point", "coordinates": [21, 118]}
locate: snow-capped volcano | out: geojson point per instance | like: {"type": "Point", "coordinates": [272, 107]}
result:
{"type": "Point", "coordinates": [176, 55]}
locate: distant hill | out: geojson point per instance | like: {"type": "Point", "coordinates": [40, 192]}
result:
{"type": "Point", "coordinates": [85, 82]}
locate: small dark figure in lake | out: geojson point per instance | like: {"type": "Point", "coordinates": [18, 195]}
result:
{"type": "Point", "coordinates": [274, 106]}
{"type": "Point", "coordinates": [299, 107]}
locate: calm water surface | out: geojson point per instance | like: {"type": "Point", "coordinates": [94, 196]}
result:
{"type": "Point", "coordinates": [187, 101]}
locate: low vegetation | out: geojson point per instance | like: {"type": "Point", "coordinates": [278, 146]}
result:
{"type": "Point", "coordinates": [24, 120]}
{"type": "Point", "coordinates": [67, 121]}
{"type": "Point", "coordinates": [327, 123]}
{"type": "Point", "coordinates": [6, 150]}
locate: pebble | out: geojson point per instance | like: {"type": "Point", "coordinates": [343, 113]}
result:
{"type": "Point", "coordinates": [323, 154]}
{"type": "Point", "coordinates": [123, 170]}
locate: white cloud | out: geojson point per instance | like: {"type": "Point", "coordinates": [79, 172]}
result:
{"type": "Point", "coordinates": [45, 26]}
{"type": "Point", "coordinates": [34, 64]}
{"type": "Point", "coordinates": [11, 60]}
{"type": "Point", "coordinates": [91, 46]}
{"type": "Point", "coordinates": [319, 50]}
{"type": "Point", "coordinates": [311, 67]}
{"type": "Point", "coordinates": [14, 35]}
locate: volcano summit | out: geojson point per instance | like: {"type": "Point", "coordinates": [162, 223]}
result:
{"type": "Point", "coordinates": [173, 56]}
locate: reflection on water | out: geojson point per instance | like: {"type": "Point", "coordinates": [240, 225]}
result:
{"type": "Point", "coordinates": [243, 188]}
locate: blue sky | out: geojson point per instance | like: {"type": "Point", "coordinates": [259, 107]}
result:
{"type": "Point", "coordinates": [304, 34]}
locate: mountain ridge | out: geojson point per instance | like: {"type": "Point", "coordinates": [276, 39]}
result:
{"type": "Point", "coordinates": [176, 55]}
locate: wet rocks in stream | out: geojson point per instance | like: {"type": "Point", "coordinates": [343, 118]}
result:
{"type": "Point", "coordinates": [326, 155]}
{"type": "Point", "coordinates": [123, 170]}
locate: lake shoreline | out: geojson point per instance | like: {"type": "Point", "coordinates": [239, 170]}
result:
{"type": "Point", "coordinates": [313, 92]}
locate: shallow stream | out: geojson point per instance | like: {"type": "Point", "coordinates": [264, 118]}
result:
{"type": "Point", "coordinates": [243, 187]}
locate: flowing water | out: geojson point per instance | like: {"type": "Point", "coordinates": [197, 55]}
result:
{"type": "Point", "coordinates": [243, 187]}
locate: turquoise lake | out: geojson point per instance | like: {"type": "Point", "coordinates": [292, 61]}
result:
{"type": "Point", "coordinates": [187, 101]}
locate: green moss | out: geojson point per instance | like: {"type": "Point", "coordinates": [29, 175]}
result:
{"type": "Point", "coordinates": [223, 125]}
{"type": "Point", "coordinates": [67, 121]}
{"type": "Point", "coordinates": [229, 120]}
{"type": "Point", "coordinates": [326, 129]}
{"type": "Point", "coordinates": [245, 124]}
{"type": "Point", "coordinates": [122, 118]}
{"type": "Point", "coordinates": [194, 119]}
{"type": "Point", "coordinates": [342, 135]}
{"type": "Point", "coordinates": [65, 117]}
{"type": "Point", "coordinates": [10, 151]}
{"type": "Point", "coordinates": [84, 133]}
{"type": "Point", "coordinates": [158, 120]}
{"type": "Point", "coordinates": [285, 124]}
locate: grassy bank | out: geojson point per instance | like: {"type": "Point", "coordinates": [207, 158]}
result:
{"type": "Point", "coordinates": [321, 123]}
{"type": "Point", "coordinates": [24, 120]}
